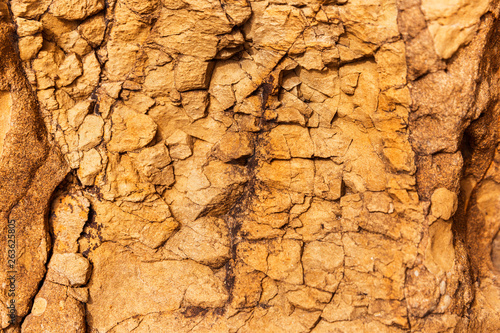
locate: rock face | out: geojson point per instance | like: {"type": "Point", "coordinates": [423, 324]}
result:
{"type": "Point", "coordinates": [250, 166]}
{"type": "Point", "coordinates": [30, 169]}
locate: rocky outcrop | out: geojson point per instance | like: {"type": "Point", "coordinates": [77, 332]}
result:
{"type": "Point", "coordinates": [251, 166]}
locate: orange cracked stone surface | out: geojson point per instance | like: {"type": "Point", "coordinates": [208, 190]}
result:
{"type": "Point", "coordinates": [249, 166]}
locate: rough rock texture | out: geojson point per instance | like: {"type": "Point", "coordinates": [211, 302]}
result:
{"type": "Point", "coordinates": [30, 169]}
{"type": "Point", "coordinates": [250, 166]}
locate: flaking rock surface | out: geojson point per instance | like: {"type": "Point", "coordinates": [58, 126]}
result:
{"type": "Point", "coordinates": [250, 166]}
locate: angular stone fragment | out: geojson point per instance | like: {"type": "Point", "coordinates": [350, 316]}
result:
{"type": "Point", "coordinates": [45, 67]}
{"type": "Point", "coordinates": [339, 309]}
{"type": "Point", "coordinates": [238, 10]}
{"type": "Point", "coordinates": [327, 180]}
{"type": "Point", "coordinates": [29, 8]}
{"type": "Point", "coordinates": [90, 132]}
{"type": "Point", "coordinates": [309, 299]}
{"type": "Point", "coordinates": [93, 29]}
{"type": "Point", "coordinates": [233, 146]}
{"type": "Point", "coordinates": [454, 21]}
{"type": "Point", "coordinates": [349, 82]}
{"type": "Point", "coordinates": [194, 32]}
{"type": "Point", "coordinates": [48, 99]}
{"type": "Point", "coordinates": [399, 159]}
{"type": "Point", "coordinates": [205, 240]}
{"type": "Point", "coordinates": [180, 145]}
{"type": "Point", "coordinates": [195, 103]}
{"type": "Point", "coordinates": [253, 254]}
{"type": "Point", "coordinates": [328, 142]}
{"type": "Point", "coordinates": [72, 41]}
{"type": "Point", "coordinates": [230, 44]}
{"type": "Point", "coordinates": [29, 46]}
{"type": "Point", "coordinates": [137, 101]}
{"type": "Point", "coordinates": [153, 163]}
{"type": "Point", "coordinates": [123, 180]}
{"type": "Point", "coordinates": [90, 166]}
{"type": "Point", "coordinates": [224, 95]}
{"type": "Point", "coordinates": [131, 85]}
{"type": "Point", "coordinates": [56, 28]}
{"type": "Point", "coordinates": [293, 110]}
{"type": "Point", "coordinates": [80, 294]}
{"type": "Point", "coordinates": [226, 184]}
{"type": "Point", "coordinates": [295, 175]}
{"type": "Point", "coordinates": [311, 60]}
{"type": "Point", "coordinates": [27, 27]}
{"type": "Point", "coordinates": [125, 223]}
{"type": "Point", "coordinates": [192, 73]}
{"type": "Point", "coordinates": [287, 141]}
{"type": "Point", "coordinates": [247, 286]}
{"type": "Point", "coordinates": [278, 27]}
{"type": "Point", "coordinates": [130, 130]}
{"type": "Point", "coordinates": [226, 73]}
{"type": "Point", "coordinates": [75, 9]}
{"type": "Point", "coordinates": [323, 265]}
{"type": "Point", "coordinates": [77, 113]}
{"type": "Point", "coordinates": [318, 220]}
{"type": "Point", "coordinates": [391, 65]}
{"type": "Point", "coordinates": [86, 83]}
{"type": "Point", "coordinates": [70, 269]}
{"type": "Point", "coordinates": [326, 82]}
{"type": "Point", "coordinates": [156, 234]}
{"type": "Point", "coordinates": [112, 89]}
{"type": "Point", "coordinates": [69, 70]}
{"type": "Point", "coordinates": [378, 202]}
{"type": "Point", "coordinates": [284, 261]}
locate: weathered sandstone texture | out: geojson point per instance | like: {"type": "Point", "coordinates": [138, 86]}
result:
{"type": "Point", "coordinates": [250, 166]}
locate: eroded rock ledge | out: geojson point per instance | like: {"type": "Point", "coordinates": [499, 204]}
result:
{"type": "Point", "coordinates": [250, 166]}
{"type": "Point", "coordinates": [30, 170]}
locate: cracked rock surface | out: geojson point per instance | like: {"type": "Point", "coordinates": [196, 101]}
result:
{"type": "Point", "coordinates": [250, 166]}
